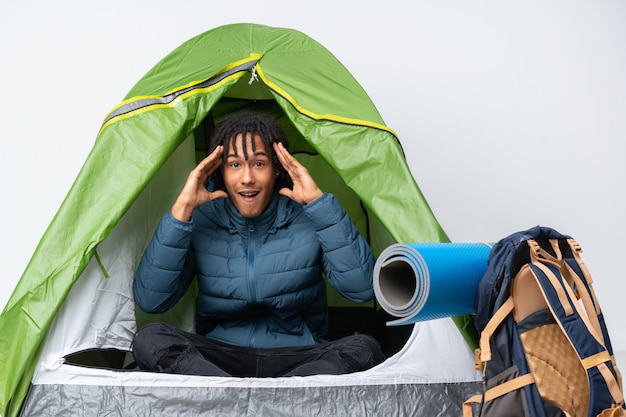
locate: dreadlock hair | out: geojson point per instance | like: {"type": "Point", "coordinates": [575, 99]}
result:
{"type": "Point", "coordinates": [253, 123]}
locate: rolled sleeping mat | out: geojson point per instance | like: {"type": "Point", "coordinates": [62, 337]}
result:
{"type": "Point", "coordinates": [426, 281]}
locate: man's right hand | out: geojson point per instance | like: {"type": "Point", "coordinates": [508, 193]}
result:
{"type": "Point", "coordinates": [194, 193]}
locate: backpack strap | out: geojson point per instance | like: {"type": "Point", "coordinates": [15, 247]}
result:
{"type": "Point", "coordinates": [492, 325]}
{"type": "Point", "coordinates": [576, 251]}
{"type": "Point", "coordinates": [583, 289]}
{"type": "Point", "coordinates": [497, 391]}
{"type": "Point", "coordinates": [591, 302]}
{"type": "Point", "coordinates": [483, 355]}
{"type": "Point", "coordinates": [553, 273]}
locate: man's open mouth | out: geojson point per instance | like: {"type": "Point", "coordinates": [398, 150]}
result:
{"type": "Point", "coordinates": [248, 194]}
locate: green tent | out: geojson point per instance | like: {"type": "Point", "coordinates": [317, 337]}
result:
{"type": "Point", "coordinates": [166, 118]}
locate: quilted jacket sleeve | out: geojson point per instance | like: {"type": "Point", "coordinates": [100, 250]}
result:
{"type": "Point", "coordinates": [348, 259]}
{"type": "Point", "coordinates": [166, 268]}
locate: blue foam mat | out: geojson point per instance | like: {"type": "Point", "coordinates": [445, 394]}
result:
{"type": "Point", "coordinates": [426, 281]}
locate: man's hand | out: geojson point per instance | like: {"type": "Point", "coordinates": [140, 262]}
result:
{"type": "Point", "coordinates": [194, 193]}
{"type": "Point", "coordinates": [305, 190]}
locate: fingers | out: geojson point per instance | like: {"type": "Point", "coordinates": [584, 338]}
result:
{"type": "Point", "coordinates": [206, 167]}
{"type": "Point", "coordinates": [218, 194]}
{"type": "Point", "coordinates": [285, 158]}
{"type": "Point", "coordinates": [305, 190]}
{"type": "Point", "coordinates": [209, 164]}
{"type": "Point", "coordinates": [194, 193]}
{"type": "Point", "coordinates": [286, 192]}
{"type": "Point", "coordinates": [293, 167]}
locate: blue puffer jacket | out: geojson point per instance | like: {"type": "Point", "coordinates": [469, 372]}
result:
{"type": "Point", "coordinates": [260, 280]}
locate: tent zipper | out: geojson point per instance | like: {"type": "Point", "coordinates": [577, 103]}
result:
{"type": "Point", "coordinates": [144, 102]}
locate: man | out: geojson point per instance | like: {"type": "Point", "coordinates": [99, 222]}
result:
{"type": "Point", "coordinates": [257, 242]}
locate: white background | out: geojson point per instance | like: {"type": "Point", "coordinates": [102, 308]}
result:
{"type": "Point", "coordinates": [511, 113]}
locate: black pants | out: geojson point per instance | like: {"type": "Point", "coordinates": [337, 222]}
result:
{"type": "Point", "coordinates": [162, 348]}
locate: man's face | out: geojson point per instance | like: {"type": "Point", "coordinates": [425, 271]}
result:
{"type": "Point", "coordinates": [250, 177]}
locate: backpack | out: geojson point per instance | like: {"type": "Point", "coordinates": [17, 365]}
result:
{"type": "Point", "coordinates": [544, 348]}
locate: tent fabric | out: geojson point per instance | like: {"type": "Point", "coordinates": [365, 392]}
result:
{"type": "Point", "coordinates": [143, 151]}
{"type": "Point", "coordinates": [409, 383]}
{"type": "Point", "coordinates": [430, 367]}
{"type": "Point", "coordinates": [357, 401]}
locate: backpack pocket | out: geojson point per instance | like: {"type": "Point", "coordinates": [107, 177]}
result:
{"type": "Point", "coordinates": [559, 376]}
{"type": "Point", "coordinates": [512, 404]}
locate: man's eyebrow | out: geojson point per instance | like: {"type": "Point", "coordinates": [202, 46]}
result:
{"type": "Point", "coordinates": [257, 153]}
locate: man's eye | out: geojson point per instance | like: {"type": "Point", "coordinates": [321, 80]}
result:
{"type": "Point", "coordinates": [259, 163]}
{"type": "Point", "coordinates": [234, 164]}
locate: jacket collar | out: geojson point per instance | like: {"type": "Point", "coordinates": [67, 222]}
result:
{"type": "Point", "coordinates": [274, 216]}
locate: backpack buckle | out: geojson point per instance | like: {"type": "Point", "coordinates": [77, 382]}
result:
{"type": "Point", "coordinates": [478, 363]}
{"type": "Point", "coordinates": [534, 247]}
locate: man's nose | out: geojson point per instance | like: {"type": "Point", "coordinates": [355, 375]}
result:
{"type": "Point", "coordinates": [248, 176]}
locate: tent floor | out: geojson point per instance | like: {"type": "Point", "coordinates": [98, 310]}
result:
{"type": "Point", "coordinates": [343, 321]}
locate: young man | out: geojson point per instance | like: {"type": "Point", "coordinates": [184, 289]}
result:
{"type": "Point", "coordinates": [257, 242]}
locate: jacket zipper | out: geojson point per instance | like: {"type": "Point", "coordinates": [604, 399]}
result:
{"type": "Point", "coordinates": [252, 276]}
